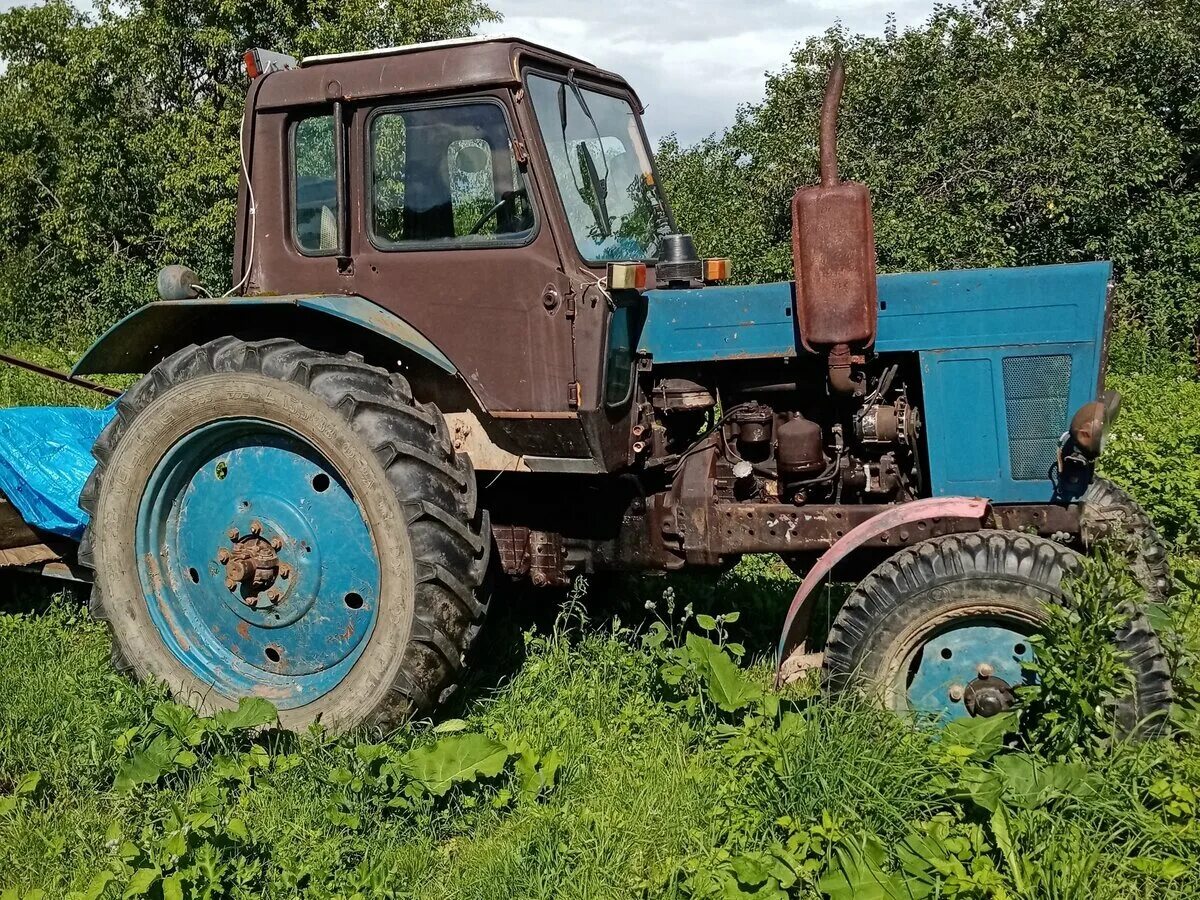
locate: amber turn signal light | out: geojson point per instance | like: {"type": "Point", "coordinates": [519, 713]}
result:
{"type": "Point", "coordinates": [717, 269]}
{"type": "Point", "coordinates": [626, 276]}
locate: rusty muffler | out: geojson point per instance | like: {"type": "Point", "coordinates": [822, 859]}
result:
{"type": "Point", "coordinates": [833, 249]}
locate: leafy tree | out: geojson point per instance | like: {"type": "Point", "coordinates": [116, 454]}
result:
{"type": "Point", "coordinates": [1006, 132]}
{"type": "Point", "coordinates": [119, 138]}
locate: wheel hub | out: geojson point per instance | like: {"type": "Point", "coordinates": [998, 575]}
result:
{"type": "Point", "coordinates": [988, 694]}
{"type": "Point", "coordinates": [252, 567]}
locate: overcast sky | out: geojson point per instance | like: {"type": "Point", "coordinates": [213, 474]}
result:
{"type": "Point", "coordinates": [691, 61]}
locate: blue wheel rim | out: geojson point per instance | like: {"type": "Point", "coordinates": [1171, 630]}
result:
{"type": "Point", "coordinates": [258, 566]}
{"type": "Point", "coordinates": [939, 673]}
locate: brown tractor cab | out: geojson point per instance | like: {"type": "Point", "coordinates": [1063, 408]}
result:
{"type": "Point", "coordinates": [466, 342]}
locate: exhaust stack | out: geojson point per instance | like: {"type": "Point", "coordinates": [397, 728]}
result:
{"type": "Point", "coordinates": [833, 249]}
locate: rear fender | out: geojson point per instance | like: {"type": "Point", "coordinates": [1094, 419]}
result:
{"type": "Point", "coordinates": [339, 323]}
{"type": "Point", "coordinates": [148, 335]}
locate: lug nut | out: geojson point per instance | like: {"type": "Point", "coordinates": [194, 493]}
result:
{"type": "Point", "coordinates": [222, 556]}
{"type": "Point", "coordinates": [985, 670]}
{"type": "Point", "coordinates": [256, 527]}
{"type": "Point", "coordinates": [285, 571]}
{"type": "Point", "coordinates": [277, 543]}
{"type": "Point", "coordinates": [956, 692]}
{"type": "Point", "coordinates": [230, 585]}
{"type": "Point", "coordinates": [233, 534]}
{"type": "Point", "coordinates": [274, 596]}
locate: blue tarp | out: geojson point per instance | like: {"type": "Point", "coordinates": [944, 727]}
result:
{"type": "Point", "coordinates": [45, 458]}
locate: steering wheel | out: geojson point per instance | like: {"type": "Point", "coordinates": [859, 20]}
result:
{"type": "Point", "coordinates": [506, 198]}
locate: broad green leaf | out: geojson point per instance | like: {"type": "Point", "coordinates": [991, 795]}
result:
{"type": "Point", "coordinates": [752, 868]}
{"type": "Point", "coordinates": [28, 783]}
{"type": "Point", "coordinates": [181, 721]}
{"type": "Point", "coordinates": [708, 623]}
{"type": "Point", "coordinates": [732, 617]}
{"type": "Point", "coordinates": [450, 726]}
{"type": "Point", "coordinates": [982, 786]}
{"type": "Point", "coordinates": [237, 829]}
{"type": "Point", "coordinates": [172, 887]}
{"type": "Point", "coordinates": [97, 885]}
{"type": "Point", "coordinates": [147, 766]}
{"type": "Point", "coordinates": [1029, 783]}
{"type": "Point", "coordinates": [983, 735]}
{"type": "Point", "coordinates": [857, 873]}
{"type": "Point", "coordinates": [456, 758]}
{"type": "Point", "coordinates": [251, 712]}
{"type": "Point", "coordinates": [727, 685]}
{"type": "Point", "coordinates": [141, 882]}
{"type": "Point", "coordinates": [1002, 834]}
{"type": "Point", "coordinates": [1168, 869]}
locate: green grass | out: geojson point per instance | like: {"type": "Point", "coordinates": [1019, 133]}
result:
{"type": "Point", "coordinates": [660, 792]}
{"type": "Point", "coordinates": [651, 795]}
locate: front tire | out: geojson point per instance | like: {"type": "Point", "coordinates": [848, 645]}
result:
{"type": "Point", "coordinates": [1109, 513]}
{"type": "Point", "coordinates": [915, 633]}
{"type": "Point", "coordinates": [275, 521]}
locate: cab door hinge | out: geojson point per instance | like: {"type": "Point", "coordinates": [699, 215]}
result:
{"type": "Point", "coordinates": [569, 305]}
{"type": "Point", "coordinates": [573, 393]}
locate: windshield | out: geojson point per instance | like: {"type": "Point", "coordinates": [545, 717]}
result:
{"type": "Point", "coordinates": [602, 169]}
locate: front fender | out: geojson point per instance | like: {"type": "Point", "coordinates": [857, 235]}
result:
{"type": "Point", "coordinates": [799, 613]}
{"type": "Point", "coordinates": [148, 335]}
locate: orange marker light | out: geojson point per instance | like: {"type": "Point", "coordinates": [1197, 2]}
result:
{"type": "Point", "coordinates": [626, 276]}
{"type": "Point", "coordinates": [251, 64]}
{"type": "Point", "coordinates": [717, 269]}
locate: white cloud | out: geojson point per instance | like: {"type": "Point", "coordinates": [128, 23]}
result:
{"type": "Point", "coordinates": [693, 63]}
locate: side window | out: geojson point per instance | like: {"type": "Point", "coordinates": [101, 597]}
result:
{"type": "Point", "coordinates": [315, 213]}
{"type": "Point", "coordinates": [446, 175]}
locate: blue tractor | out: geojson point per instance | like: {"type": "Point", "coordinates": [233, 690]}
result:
{"type": "Point", "coordinates": [466, 343]}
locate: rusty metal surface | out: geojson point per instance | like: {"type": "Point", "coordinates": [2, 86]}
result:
{"type": "Point", "coordinates": [547, 559]}
{"type": "Point", "coordinates": [58, 376]}
{"type": "Point", "coordinates": [905, 514]}
{"type": "Point", "coordinates": [833, 249]}
{"type": "Point", "coordinates": [448, 68]}
{"type": "Point", "coordinates": [512, 542]}
{"type": "Point", "coordinates": [786, 528]}
{"type": "Point", "coordinates": [539, 554]}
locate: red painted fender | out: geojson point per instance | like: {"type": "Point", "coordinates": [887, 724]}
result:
{"type": "Point", "coordinates": [903, 514]}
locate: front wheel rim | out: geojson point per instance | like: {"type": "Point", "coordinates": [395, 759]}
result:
{"type": "Point", "coordinates": [258, 566]}
{"type": "Point", "coordinates": [969, 666]}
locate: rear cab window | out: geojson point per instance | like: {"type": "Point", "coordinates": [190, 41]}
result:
{"type": "Point", "coordinates": [316, 206]}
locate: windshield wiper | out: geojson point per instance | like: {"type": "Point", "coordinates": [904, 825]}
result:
{"type": "Point", "coordinates": [597, 185]}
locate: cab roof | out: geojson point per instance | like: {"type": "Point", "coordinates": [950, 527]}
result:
{"type": "Point", "coordinates": [435, 45]}
{"type": "Point", "coordinates": [453, 66]}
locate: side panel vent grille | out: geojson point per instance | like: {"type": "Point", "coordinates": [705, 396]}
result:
{"type": "Point", "coordinates": [1035, 399]}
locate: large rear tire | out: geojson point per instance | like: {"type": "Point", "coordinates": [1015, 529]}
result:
{"type": "Point", "coordinates": [274, 521]}
{"type": "Point", "coordinates": [915, 633]}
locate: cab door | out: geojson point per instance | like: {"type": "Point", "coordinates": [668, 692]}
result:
{"type": "Point", "coordinates": [449, 236]}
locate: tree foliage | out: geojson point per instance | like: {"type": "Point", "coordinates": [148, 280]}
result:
{"type": "Point", "coordinates": [119, 138]}
{"type": "Point", "coordinates": [1005, 132]}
